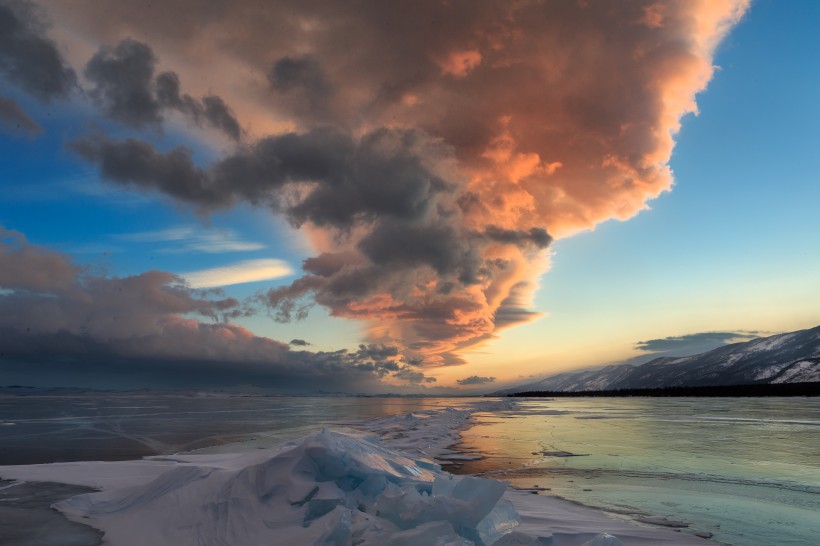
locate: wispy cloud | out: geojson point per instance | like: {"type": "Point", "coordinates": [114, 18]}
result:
{"type": "Point", "coordinates": [193, 239]}
{"type": "Point", "coordinates": [475, 380]}
{"type": "Point", "coordinates": [238, 273]}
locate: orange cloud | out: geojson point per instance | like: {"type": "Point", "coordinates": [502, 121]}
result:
{"type": "Point", "coordinates": [557, 116]}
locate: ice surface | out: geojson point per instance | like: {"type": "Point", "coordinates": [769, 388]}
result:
{"type": "Point", "coordinates": [331, 488]}
{"type": "Point", "coordinates": [604, 540]}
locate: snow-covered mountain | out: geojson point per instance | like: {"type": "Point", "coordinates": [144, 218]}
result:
{"type": "Point", "coordinates": [784, 358]}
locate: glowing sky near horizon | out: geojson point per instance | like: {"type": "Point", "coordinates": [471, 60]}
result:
{"type": "Point", "coordinates": [449, 192]}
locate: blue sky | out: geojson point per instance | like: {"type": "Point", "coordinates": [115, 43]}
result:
{"type": "Point", "coordinates": [731, 248]}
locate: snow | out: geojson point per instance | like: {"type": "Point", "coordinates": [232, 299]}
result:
{"type": "Point", "coordinates": [770, 343]}
{"type": "Point", "coordinates": [331, 489]}
{"type": "Point", "coordinates": [732, 359]}
{"type": "Point", "coordinates": [770, 371]}
{"type": "Point", "coordinates": [802, 371]}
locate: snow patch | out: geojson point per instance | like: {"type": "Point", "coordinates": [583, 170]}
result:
{"type": "Point", "coordinates": [800, 372]}
{"type": "Point", "coordinates": [770, 343]}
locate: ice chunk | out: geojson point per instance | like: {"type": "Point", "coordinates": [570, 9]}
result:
{"type": "Point", "coordinates": [516, 539]}
{"type": "Point", "coordinates": [435, 533]}
{"type": "Point", "coordinates": [444, 484]}
{"type": "Point", "coordinates": [603, 540]}
{"type": "Point", "coordinates": [338, 533]}
{"type": "Point", "coordinates": [501, 520]}
{"type": "Point", "coordinates": [317, 508]}
{"type": "Point", "coordinates": [330, 489]}
{"type": "Point", "coordinates": [479, 495]}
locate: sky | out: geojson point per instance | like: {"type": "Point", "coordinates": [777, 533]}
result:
{"type": "Point", "coordinates": [402, 197]}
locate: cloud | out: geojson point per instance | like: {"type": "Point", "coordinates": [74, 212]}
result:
{"type": "Point", "coordinates": [302, 83]}
{"type": "Point", "coordinates": [238, 273]}
{"type": "Point", "coordinates": [29, 58]}
{"type": "Point", "coordinates": [299, 342]}
{"type": "Point", "coordinates": [409, 375]}
{"type": "Point", "coordinates": [389, 199]}
{"type": "Point", "coordinates": [694, 343]}
{"type": "Point", "coordinates": [14, 119]}
{"type": "Point", "coordinates": [475, 380]}
{"type": "Point", "coordinates": [193, 239]}
{"type": "Point", "coordinates": [429, 171]}
{"type": "Point", "coordinates": [122, 82]}
{"type": "Point", "coordinates": [125, 87]}
{"type": "Point", "coordinates": [60, 324]}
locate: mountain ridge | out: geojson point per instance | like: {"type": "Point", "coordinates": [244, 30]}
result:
{"type": "Point", "coordinates": [792, 357]}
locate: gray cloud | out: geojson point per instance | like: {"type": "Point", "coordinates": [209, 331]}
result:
{"type": "Point", "coordinates": [390, 199]}
{"type": "Point", "coordinates": [126, 89]}
{"type": "Point", "coordinates": [475, 380]}
{"type": "Point", "coordinates": [409, 375]}
{"type": "Point", "coordinates": [694, 343]}
{"type": "Point", "coordinates": [122, 77]}
{"type": "Point", "coordinates": [62, 323]}
{"type": "Point", "coordinates": [220, 116]}
{"type": "Point", "coordinates": [14, 119]}
{"type": "Point", "coordinates": [535, 236]}
{"type": "Point", "coordinates": [303, 74]}
{"type": "Point", "coordinates": [303, 84]}
{"type": "Point", "coordinates": [29, 58]}
{"type": "Point", "coordinates": [299, 342]}
{"type": "Point", "coordinates": [138, 164]}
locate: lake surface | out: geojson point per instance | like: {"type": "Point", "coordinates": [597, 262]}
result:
{"type": "Point", "coordinates": [123, 426]}
{"type": "Point", "coordinates": [746, 470]}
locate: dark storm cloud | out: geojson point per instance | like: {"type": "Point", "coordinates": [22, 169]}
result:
{"type": "Point", "coordinates": [220, 116]}
{"type": "Point", "coordinates": [240, 362]}
{"type": "Point", "coordinates": [122, 77]}
{"type": "Point", "coordinates": [383, 174]}
{"type": "Point", "coordinates": [126, 89]}
{"type": "Point", "coordinates": [14, 119]}
{"type": "Point", "coordinates": [475, 380]}
{"type": "Point", "coordinates": [408, 374]}
{"type": "Point", "coordinates": [28, 58]}
{"type": "Point", "coordinates": [389, 197]}
{"type": "Point", "coordinates": [136, 163]}
{"type": "Point", "coordinates": [397, 244]}
{"type": "Point", "coordinates": [60, 322]}
{"type": "Point", "coordinates": [303, 85]}
{"type": "Point", "coordinates": [535, 236]}
{"type": "Point", "coordinates": [690, 342]}
{"type": "Point", "coordinates": [302, 74]}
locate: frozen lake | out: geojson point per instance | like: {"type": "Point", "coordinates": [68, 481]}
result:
{"type": "Point", "coordinates": [123, 426]}
{"type": "Point", "coordinates": [746, 470]}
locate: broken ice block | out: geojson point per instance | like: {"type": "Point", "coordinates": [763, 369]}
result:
{"type": "Point", "coordinates": [480, 496]}
{"type": "Point", "coordinates": [500, 521]}
{"type": "Point", "coordinates": [435, 533]}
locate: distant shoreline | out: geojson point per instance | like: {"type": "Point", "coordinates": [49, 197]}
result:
{"type": "Point", "coordinates": [715, 391]}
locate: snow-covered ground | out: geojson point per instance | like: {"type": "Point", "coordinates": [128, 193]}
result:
{"type": "Point", "coordinates": [380, 486]}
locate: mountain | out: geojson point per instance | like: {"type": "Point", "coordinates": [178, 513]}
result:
{"type": "Point", "coordinates": [785, 358]}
